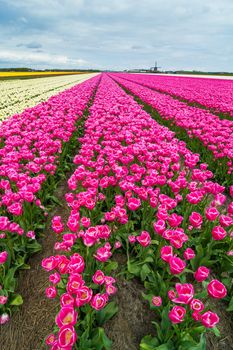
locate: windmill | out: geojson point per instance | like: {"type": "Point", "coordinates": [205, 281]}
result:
{"type": "Point", "coordinates": [155, 68]}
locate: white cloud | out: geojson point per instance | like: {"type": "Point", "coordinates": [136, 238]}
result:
{"type": "Point", "coordinates": [39, 58]}
{"type": "Point", "coordinates": [119, 34]}
{"type": "Point", "coordinates": [23, 20]}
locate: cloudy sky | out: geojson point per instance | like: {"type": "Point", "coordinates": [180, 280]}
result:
{"type": "Point", "coordinates": [117, 34]}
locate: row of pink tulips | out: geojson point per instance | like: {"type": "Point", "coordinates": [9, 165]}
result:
{"type": "Point", "coordinates": [216, 94]}
{"type": "Point", "coordinates": [33, 146]}
{"type": "Point", "coordinates": [139, 190]}
{"type": "Point", "coordinates": [215, 134]}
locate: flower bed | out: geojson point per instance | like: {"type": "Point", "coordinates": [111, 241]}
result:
{"type": "Point", "coordinates": [138, 189]}
{"type": "Point", "coordinates": [214, 135]}
{"type": "Point", "coordinates": [215, 94]}
{"type": "Point", "coordinates": [34, 153]}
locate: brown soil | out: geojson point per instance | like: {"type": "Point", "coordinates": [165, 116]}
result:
{"type": "Point", "coordinates": [34, 320]}
{"type": "Point", "coordinates": [133, 320]}
{"type": "Point", "coordinates": [225, 341]}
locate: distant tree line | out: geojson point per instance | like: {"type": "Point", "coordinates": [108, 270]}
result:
{"type": "Point", "coordinates": [46, 70]}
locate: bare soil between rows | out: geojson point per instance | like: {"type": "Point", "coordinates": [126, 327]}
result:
{"type": "Point", "coordinates": [134, 318]}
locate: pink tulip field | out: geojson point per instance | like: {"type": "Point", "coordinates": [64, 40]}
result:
{"type": "Point", "coordinates": [148, 177]}
{"type": "Point", "coordinates": [198, 127]}
{"type": "Point", "coordinates": [214, 94]}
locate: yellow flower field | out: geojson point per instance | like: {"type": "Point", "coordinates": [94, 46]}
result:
{"type": "Point", "coordinates": [33, 74]}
